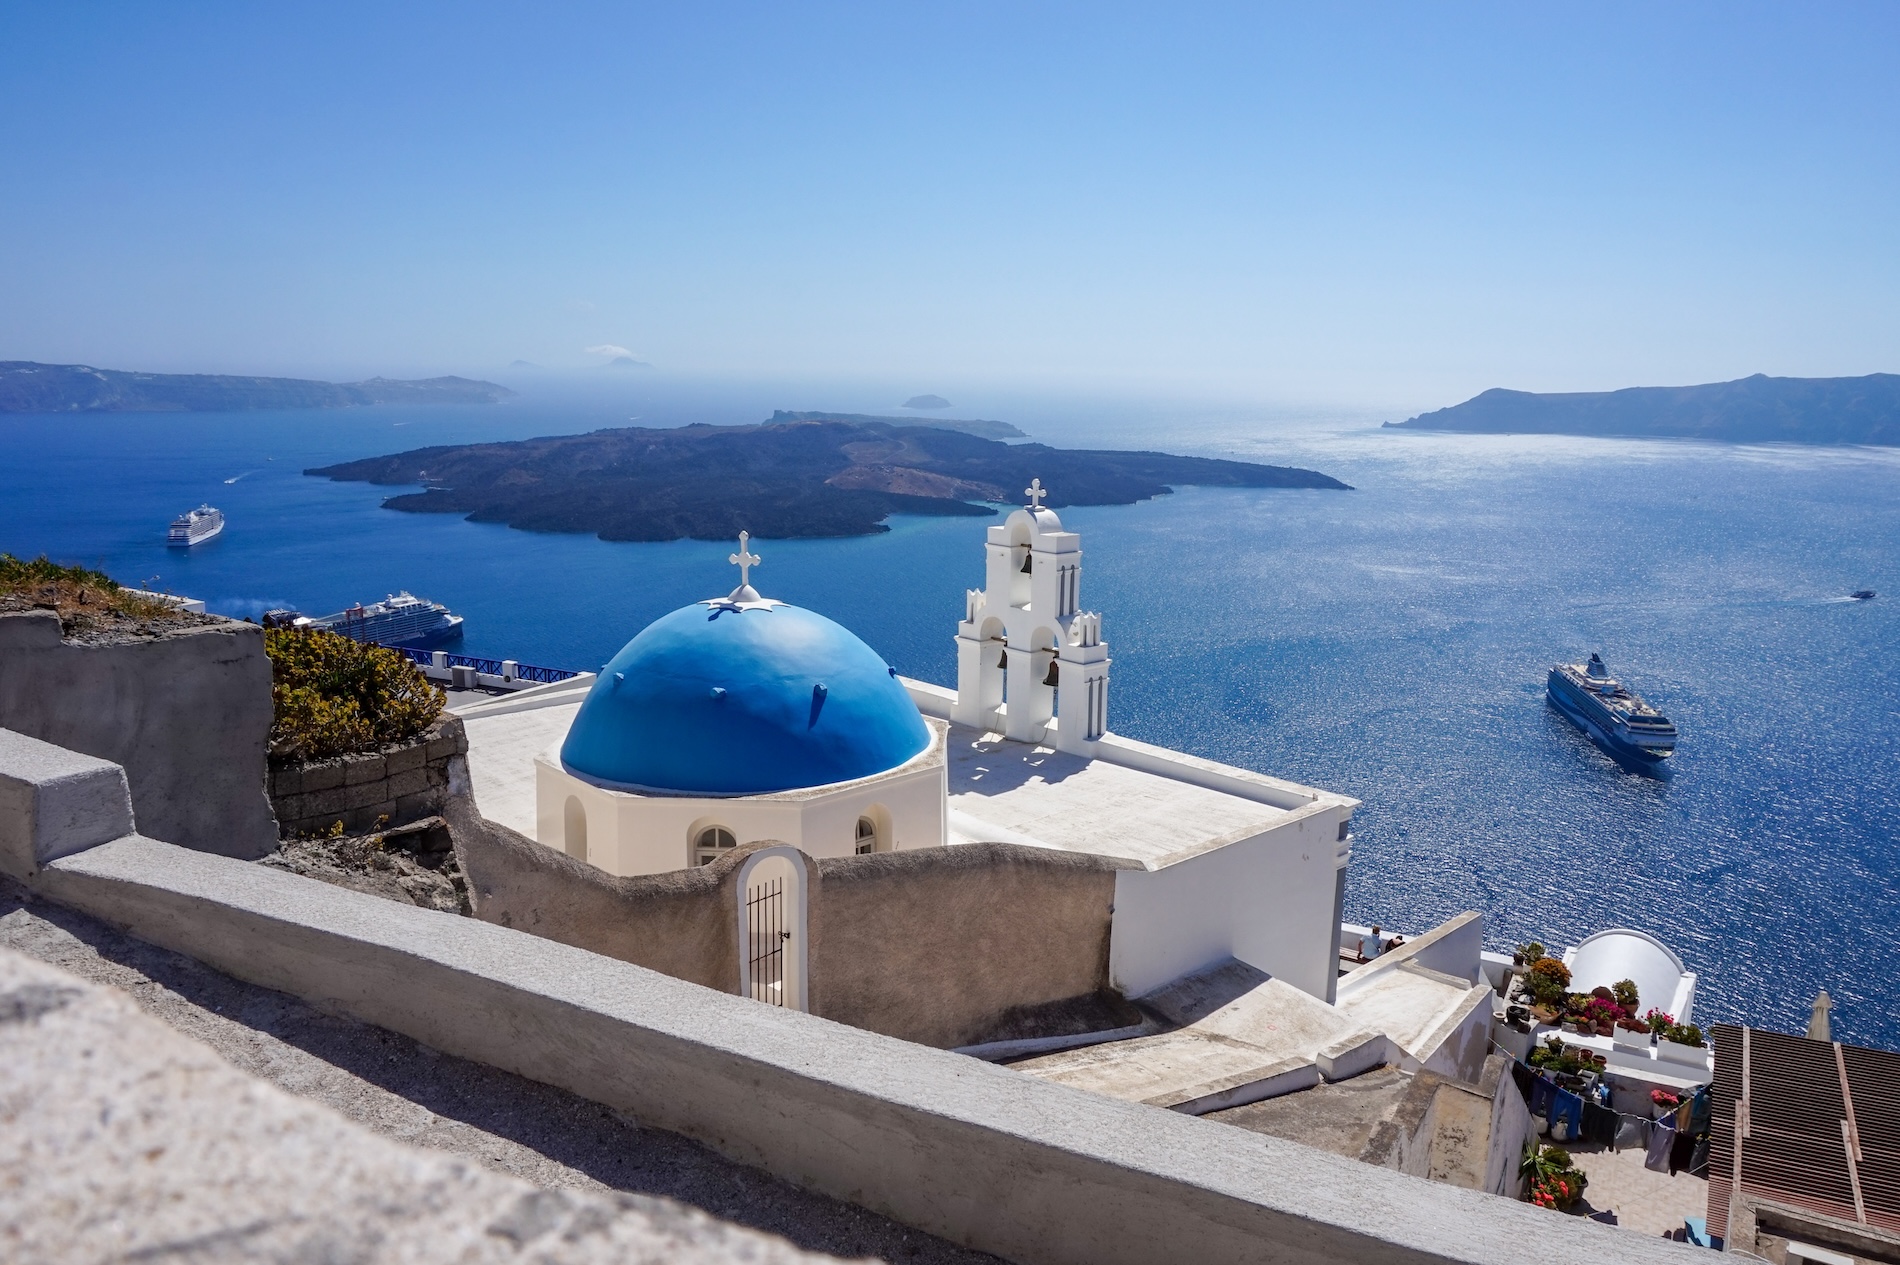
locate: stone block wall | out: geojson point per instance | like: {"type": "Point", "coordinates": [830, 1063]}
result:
{"type": "Point", "coordinates": [399, 783]}
{"type": "Point", "coordinates": [185, 709]}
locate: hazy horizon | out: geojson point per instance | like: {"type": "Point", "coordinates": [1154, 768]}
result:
{"type": "Point", "coordinates": [1376, 211]}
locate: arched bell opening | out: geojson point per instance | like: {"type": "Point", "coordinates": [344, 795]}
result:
{"type": "Point", "coordinates": [1021, 572]}
{"type": "Point", "coordinates": [1039, 681]}
{"type": "Point", "coordinates": [992, 668]}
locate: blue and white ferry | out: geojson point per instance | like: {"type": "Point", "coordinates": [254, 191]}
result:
{"type": "Point", "coordinates": [1618, 719]}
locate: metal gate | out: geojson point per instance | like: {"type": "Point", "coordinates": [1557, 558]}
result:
{"type": "Point", "coordinates": [768, 933]}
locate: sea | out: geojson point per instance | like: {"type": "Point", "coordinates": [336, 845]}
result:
{"type": "Point", "coordinates": [1390, 642]}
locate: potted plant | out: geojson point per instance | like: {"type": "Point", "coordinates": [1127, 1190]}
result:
{"type": "Point", "coordinates": [1547, 982]}
{"type": "Point", "coordinates": [1631, 1033]}
{"type": "Point", "coordinates": [1551, 1178]}
{"type": "Point", "coordinates": [1682, 1043]}
{"type": "Point", "coordinates": [1663, 1103]}
{"type": "Point", "coordinates": [1657, 1020]}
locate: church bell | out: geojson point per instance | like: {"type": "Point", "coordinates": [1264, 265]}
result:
{"type": "Point", "coordinates": [1027, 559]}
{"type": "Point", "coordinates": [1002, 658]}
{"type": "Point", "coordinates": [1053, 672]}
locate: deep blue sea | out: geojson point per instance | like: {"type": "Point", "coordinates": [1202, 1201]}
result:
{"type": "Point", "coordinates": [1390, 642]}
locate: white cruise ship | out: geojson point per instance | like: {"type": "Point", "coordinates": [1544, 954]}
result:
{"type": "Point", "coordinates": [194, 527]}
{"type": "Point", "coordinates": [401, 619]}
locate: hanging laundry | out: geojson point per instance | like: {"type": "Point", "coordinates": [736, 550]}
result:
{"type": "Point", "coordinates": [1699, 1111]}
{"type": "Point", "coordinates": [1681, 1151]}
{"type": "Point", "coordinates": [1566, 1111]}
{"type": "Point", "coordinates": [1541, 1093]}
{"type": "Point", "coordinates": [1661, 1138]}
{"type": "Point", "coordinates": [1524, 1077]}
{"type": "Point", "coordinates": [1599, 1125]}
{"type": "Point", "coordinates": [1632, 1131]}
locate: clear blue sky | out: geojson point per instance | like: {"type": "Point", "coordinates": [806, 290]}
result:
{"type": "Point", "coordinates": [1368, 205]}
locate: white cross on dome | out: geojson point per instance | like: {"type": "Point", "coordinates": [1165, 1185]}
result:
{"type": "Point", "coordinates": [744, 560]}
{"type": "Point", "coordinates": [1035, 492]}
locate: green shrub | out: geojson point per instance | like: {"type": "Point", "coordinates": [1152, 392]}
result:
{"type": "Point", "coordinates": [1626, 995]}
{"type": "Point", "coordinates": [331, 695]}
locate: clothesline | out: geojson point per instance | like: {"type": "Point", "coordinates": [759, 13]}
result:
{"type": "Point", "coordinates": [1669, 1144]}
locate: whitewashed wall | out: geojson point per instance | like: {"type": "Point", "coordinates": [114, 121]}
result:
{"type": "Point", "coordinates": [1267, 900]}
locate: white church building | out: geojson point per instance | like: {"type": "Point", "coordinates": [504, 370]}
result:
{"type": "Point", "coordinates": [742, 719]}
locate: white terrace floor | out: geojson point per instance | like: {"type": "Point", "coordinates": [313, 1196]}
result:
{"type": "Point", "coordinates": [1000, 792]}
{"type": "Point", "coordinates": [1049, 799]}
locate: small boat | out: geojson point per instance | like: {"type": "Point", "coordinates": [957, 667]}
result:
{"type": "Point", "coordinates": [194, 527]}
{"type": "Point", "coordinates": [1862, 595]}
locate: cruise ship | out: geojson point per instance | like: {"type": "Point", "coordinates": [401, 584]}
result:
{"type": "Point", "coordinates": [194, 527]}
{"type": "Point", "coordinates": [1604, 709]}
{"type": "Point", "coordinates": [401, 619]}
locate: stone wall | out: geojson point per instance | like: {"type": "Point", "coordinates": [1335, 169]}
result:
{"type": "Point", "coordinates": [965, 945]}
{"type": "Point", "coordinates": [186, 712]}
{"type": "Point", "coordinates": [682, 924]}
{"type": "Point", "coordinates": [391, 786]}
{"type": "Point", "coordinates": [893, 936]}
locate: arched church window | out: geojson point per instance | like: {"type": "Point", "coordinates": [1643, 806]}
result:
{"type": "Point", "coordinates": [712, 843]}
{"type": "Point", "coordinates": [867, 836]}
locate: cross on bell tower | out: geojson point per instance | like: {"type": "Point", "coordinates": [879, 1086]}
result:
{"type": "Point", "coordinates": [1035, 492]}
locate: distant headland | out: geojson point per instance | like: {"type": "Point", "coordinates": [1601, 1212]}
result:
{"type": "Point", "coordinates": [968, 425]}
{"type": "Point", "coordinates": [1752, 410]}
{"type": "Point", "coordinates": [30, 387]}
{"type": "Point", "coordinates": [822, 476]}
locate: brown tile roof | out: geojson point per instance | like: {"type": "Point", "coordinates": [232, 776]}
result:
{"type": "Point", "coordinates": [1820, 1126]}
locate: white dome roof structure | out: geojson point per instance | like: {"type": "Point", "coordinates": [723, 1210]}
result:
{"type": "Point", "coordinates": [1607, 957]}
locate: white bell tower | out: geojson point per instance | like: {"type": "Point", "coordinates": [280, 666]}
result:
{"type": "Point", "coordinates": [1030, 664]}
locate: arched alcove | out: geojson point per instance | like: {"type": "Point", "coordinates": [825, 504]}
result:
{"type": "Point", "coordinates": [574, 828]}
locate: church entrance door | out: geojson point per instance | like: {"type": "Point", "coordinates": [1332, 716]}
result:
{"type": "Point", "coordinates": [772, 928]}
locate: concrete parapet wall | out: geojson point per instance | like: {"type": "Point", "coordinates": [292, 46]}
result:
{"type": "Point", "coordinates": [186, 714]}
{"type": "Point", "coordinates": [54, 802]}
{"type": "Point", "coordinates": [400, 784]}
{"type": "Point", "coordinates": [978, 1154]}
{"type": "Point", "coordinates": [150, 1147]}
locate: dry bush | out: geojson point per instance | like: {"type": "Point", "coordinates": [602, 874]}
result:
{"type": "Point", "coordinates": [75, 591]}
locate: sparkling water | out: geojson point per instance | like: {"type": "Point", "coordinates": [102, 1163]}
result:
{"type": "Point", "coordinates": [1389, 643]}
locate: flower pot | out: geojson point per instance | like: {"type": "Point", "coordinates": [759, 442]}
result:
{"type": "Point", "coordinates": [1677, 1052]}
{"type": "Point", "coordinates": [1606, 1029]}
{"type": "Point", "coordinates": [1632, 1040]}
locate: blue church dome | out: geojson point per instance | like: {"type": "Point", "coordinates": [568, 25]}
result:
{"type": "Point", "coordinates": [727, 698]}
